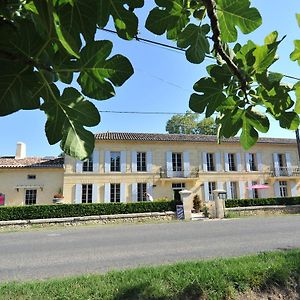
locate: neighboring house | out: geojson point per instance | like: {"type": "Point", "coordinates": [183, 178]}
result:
{"type": "Point", "coordinates": [126, 166]}
{"type": "Point", "coordinates": [29, 180]}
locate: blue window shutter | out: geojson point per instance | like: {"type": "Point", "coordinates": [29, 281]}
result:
{"type": "Point", "coordinates": [78, 167]}
{"type": "Point", "coordinates": [239, 162]}
{"type": "Point", "coordinates": [259, 162]}
{"type": "Point", "coordinates": [149, 161]}
{"type": "Point", "coordinates": [218, 162]}
{"type": "Point", "coordinates": [134, 192]}
{"type": "Point", "coordinates": [242, 189]}
{"type": "Point", "coordinates": [186, 164]}
{"type": "Point", "coordinates": [226, 162]}
{"type": "Point", "coordinates": [228, 190]}
{"type": "Point", "coordinates": [206, 192]}
{"type": "Point", "coordinates": [133, 161]}
{"type": "Point", "coordinates": [96, 161]}
{"type": "Point", "coordinates": [204, 161]}
{"type": "Point", "coordinates": [169, 164]}
{"type": "Point", "coordinates": [288, 163]}
{"type": "Point", "coordinates": [107, 192]}
{"type": "Point", "coordinates": [122, 192]}
{"type": "Point", "coordinates": [78, 193]}
{"type": "Point", "coordinates": [123, 161]}
{"type": "Point", "coordinates": [276, 164]}
{"type": "Point", "coordinates": [95, 195]}
{"type": "Point", "coordinates": [107, 162]}
{"type": "Point", "coordinates": [294, 191]}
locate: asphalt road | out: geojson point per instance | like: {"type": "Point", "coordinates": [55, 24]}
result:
{"type": "Point", "coordinates": [39, 254]}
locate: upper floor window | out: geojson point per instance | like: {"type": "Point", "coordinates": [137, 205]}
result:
{"type": "Point", "coordinates": [142, 192]}
{"type": "Point", "coordinates": [283, 188]}
{"type": "Point", "coordinates": [141, 161]}
{"type": "Point", "coordinates": [231, 162]}
{"type": "Point", "coordinates": [252, 162]}
{"type": "Point", "coordinates": [115, 161]}
{"type": "Point", "coordinates": [30, 197]}
{"type": "Point", "coordinates": [281, 160]}
{"type": "Point", "coordinates": [177, 161]}
{"type": "Point", "coordinates": [115, 192]}
{"type": "Point", "coordinates": [31, 176]}
{"type": "Point", "coordinates": [87, 165]}
{"type": "Point", "coordinates": [210, 162]}
{"type": "Point", "coordinates": [211, 188]}
{"type": "Point", "coordinates": [87, 193]}
{"type": "Point", "coordinates": [233, 190]}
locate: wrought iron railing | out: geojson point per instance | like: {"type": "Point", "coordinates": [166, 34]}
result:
{"type": "Point", "coordinates": [189, 173]}
{"type": "Point", "coordinates": [285, 172]}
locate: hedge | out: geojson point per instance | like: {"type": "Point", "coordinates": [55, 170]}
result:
{"type": "Point", "coordinates": [262, 202]}
{"type": "Point", "coordinates": [80, 210]}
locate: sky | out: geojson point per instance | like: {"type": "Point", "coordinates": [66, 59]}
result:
{"type": "Point", "coordinates": [162, 82]}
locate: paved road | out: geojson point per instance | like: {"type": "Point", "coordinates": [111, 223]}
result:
{"type": "Point", "coordinates": [62, 252]}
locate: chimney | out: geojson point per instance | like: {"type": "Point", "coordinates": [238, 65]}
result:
{"type": "Point", "coordinates": [21, 150]}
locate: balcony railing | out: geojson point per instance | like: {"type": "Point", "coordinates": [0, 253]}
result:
{"type": "Point", "coordinates": [190, 173]}
{"type": "Point", "coordinates": [285, 172]}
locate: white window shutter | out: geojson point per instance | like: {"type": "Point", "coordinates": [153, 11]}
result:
{"type": "Point", "coordinates": [78, 167]}
{"type": "Point", "coordinates": [239, 162]}
{"type": "Point", "coordinates": [226, 162]}
{"type": "Point", "coordinates": [294, 191]}
{"type": "Point", "coordinates": [247, 160]}
{"type": "Point", "coordinates": [204, 161]}
{"type": "Point", "coordinates": [78, 193]}
{"type": "Point", "coordinates": [242, 189]}
{"type": "Point", "coordinates": [250, 192]}
{"type": "Point", "coordinates": [96, 161]}
{"type": "Point", "coordinates": [220, 185]}
{"type": "Point", "coordinates": [133, 161]}
{"type": "Point", "coordinates": [107, 192]}
{"type": "Point", "coordinates": [122, 193]}
{"type": "Point", "coordinates": [218, 162]}
{"type": "Point", "coordinates": [150, 188]}
{"type": "Point", "coordinates": [228, 190]}
{"type": "Point", "coordinates": [206, 192]}
{"type": "Point", "coordinates": [107, 161]}
{"type": "Point", "coordinates": [186, 164]}
{"type": "Point", "coordinates": [276, 189]}
{"type": "Point", "coordinates": [95, 194]}
{"type": "Point", "coordinates": [276, 164]}
{"type": "Point", "coordinates": [288, 163]}
{"type": "Point", "coordinates": [123, 161]}
{"type": "Point", "coordinates": [134, 192]}
{"type": "Point", "coordinates": [259, 161]}
{"type": "Point", "coordinates": [169, 164]}
{"type": "Point", "coordinates": [149, 161]}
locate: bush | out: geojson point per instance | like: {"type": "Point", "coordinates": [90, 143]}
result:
{"type": "Point", "coordinates": [80, 210]}
{"type": "Point", "coordinates": [262, 202]}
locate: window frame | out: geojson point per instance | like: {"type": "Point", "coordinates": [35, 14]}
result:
{"type": "Point", "coordinates": [211, 187]}
{"type": "Point", "coordinates": [232, 162]}
{"type": "Point", "coordinates": [283, 188]}
{"type": "Point", "coordinates": [141, 161]}
{"type": "Point", "coordinates": [141, 191]}
{"type": "Point", "coordinates": [86, 193]}
{"type": "Point", "coordinates": [30, 196]}
{"type": "Point", "coordinates": [233, 190]}
{"type": "Point", "coordinates": [210, 162]}
{"type": "Point", "coordinates": [115, 192]}
{"type": "Point", "coordinates": [253, 162]}
{"type": "Point", "coordinates": [177, 162]}
{"type": "Point", "coordinates": [115, 161]}
{"type": "Point", "coordinates": [87, 165]}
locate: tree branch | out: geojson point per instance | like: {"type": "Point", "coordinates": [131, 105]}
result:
{"type": "Point", "coordinates": [211, 12]}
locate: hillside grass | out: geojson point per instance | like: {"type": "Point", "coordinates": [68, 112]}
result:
{"type": "Point", "coordinates": [210, 279]}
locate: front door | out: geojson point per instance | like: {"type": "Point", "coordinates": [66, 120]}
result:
{"type": "Point", "coordinates": [177, 197]}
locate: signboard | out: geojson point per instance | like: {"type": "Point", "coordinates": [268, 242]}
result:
{"type": "Point", "coordinates": [2, 199]}
{"type": "Point", "coordinates": [180, 212]}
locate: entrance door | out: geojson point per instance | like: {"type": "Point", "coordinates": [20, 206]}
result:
{"type": "Point", "coordinates": [177, 197]}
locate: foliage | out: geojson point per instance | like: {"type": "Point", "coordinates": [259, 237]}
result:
{"type": "Point", "coordinates": [44, 42]}
{"type": "Point", "coordinates": [208, 279]}
{"type": "Point", "coordinates": [197, 204]}
{"type": "Point", "coordinates": [189, 123]}
{"type": "Point", "coordinates": [80, 210]}
{"type": "Point", "coordinates": [262, 202]}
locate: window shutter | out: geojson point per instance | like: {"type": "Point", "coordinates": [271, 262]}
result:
{"type": "Point", "coordinates": [288, 163]}
{"type": "Point", "coordinates": [276, 189]}
{"type": "Point", "coordinates": [123, 161]}
{"type": "Point", "coordinates": [204, 161]}
{"type": "Point", "coordinates": [259, 162]}
{"type": "Point", "coordinates": [169, 164]}
{"type": "Point", "coordinates": [96, 161]}
{"type": "Point", "coordinates": [226, 162]}
{"type": "Point", "coordinates": [133, 161]}
{"type": "Point", "coordinates": [122, 193]}
{"type": "Point", "coordinates": [107, 192]}
{"type": "Point", "coordinates": [206, 192]}
{"type": "Point", "coordinates": [276, 164]}
{"type": "Point", "coordinates": [107, 162]}
{"type": "Point", "coordinates": [95, 195]}
{"type": "Point", "coordinates": [186, 164]}
{"type": "Point", "coordinates": [134, 192]}
{"type": "Point", "coordinates": [247, 159]}
{"type": "Point", "coordinates": [149, 161]}
{"type": "Point", "coordinates": [220, 185]}
{"type": "Point", "coordinates": [228, 190]}
{"type": "Point", "coordinates": [242, 189]}
{"type": "Point", "coordinates": [78, 193]}
{"type": "Point", "coordinates": [78, 167]}
{"type": "Point", "coordinates": [218, 162]}
{"type": "Point", "coordinates": [294, 191]}
{"type": "Point", "coordinates": [250, 192]}
{"type": "Point", "coordinates": [239, 162]}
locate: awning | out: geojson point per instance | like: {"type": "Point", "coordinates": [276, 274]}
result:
{"type": "Point", "coordinates": [258, 187]}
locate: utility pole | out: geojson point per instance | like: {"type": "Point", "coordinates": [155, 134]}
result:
{"type": "Point", "coordinates": [298, 145]}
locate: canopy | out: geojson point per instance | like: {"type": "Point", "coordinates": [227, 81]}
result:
{"type": "Point", "coordinates": [258, 187]}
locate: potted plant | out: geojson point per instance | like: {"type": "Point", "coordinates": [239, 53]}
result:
{"type": "Point", "coordinates": [197, 205]}
{"type": "Point", "coordinates": [58, 197]}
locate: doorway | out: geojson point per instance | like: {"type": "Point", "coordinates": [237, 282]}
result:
{"type": "Point", "coordinates": [177, 187]}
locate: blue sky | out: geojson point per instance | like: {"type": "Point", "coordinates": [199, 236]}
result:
{"type": "Point", "coordinates": [162, 82]}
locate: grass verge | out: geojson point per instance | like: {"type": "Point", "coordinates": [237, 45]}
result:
{"type": "Point", "coordinates": [213, 279]}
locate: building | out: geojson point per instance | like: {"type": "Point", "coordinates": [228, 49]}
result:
{"type": "Point", "coordinates": [126, 166]}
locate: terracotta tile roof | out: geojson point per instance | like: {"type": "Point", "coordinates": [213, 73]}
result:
{"type": "Point", "coordinates": [31, 162]}
{"type": "Point", "coordinates": [195, 138]}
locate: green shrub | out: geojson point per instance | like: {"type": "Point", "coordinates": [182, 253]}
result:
{"type": "Point", "coordinates": [262, 202]}
{"type": "Point", "coordinates": [80, 210]}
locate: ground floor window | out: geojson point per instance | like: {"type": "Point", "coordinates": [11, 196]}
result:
{"type": "Point", "coordinates": [283, 189]}
{"type": "Point", "coordinates": [30, 197]}
{"type": "Point", "coordinates": [115, 192]}
{"type": "Point", "coordinates": [141, 192]}
{"type": "Point", "coordinates": [177, 187]}
{"type": "Point", "coordinates": [233, 190]}
{"type": "Point", "coordinates": [87, 193]}
{"type": "Point", "coordinates": [211, 188]}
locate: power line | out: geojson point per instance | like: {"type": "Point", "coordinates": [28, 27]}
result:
{"type": "Point", "coordinates": [146, 112]}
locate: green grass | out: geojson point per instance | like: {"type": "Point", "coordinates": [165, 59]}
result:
{"type": "Point", "coordinates": [213, 279]}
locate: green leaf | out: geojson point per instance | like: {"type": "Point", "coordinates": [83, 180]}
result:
{"type": "Point", "coordinates": [232, 13]}
{"type": "Point", "coordinates": [298, 19]}
{"type": "Point", "coordinates": [297, 93]}
{"type": "Point", "coordinates": [257, 120]}
{"type": "Point", "coordinates": [170, 16]}
{"type": "Point", "coordinates": [289, 120]}
{"type": "Point", "coordinates": [220, 74]}
{"type": "Point", "coordinates": [295, 55]}
{"type": "Point", "coordinates": [97, 71]}
{"type": "Point", "coordinates": [230, 123]}
{"type": "Point", "coordinates": [249, 135]}
{"type": "Point", "coordinates": [211, 96]}
{"type": "Point", "coordinates": [194, 37]}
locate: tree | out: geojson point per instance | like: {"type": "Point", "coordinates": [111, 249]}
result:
{"type": "Point", "coordinates": [189, 123]}
{"type": "Point", "coordinates": [43, 42]}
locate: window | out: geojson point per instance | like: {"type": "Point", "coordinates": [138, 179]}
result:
{"type": "Point", "coordinates": [255, 191]}
{"type": "Point", "coordinates": [30, 197]}
{"type": "Point", "coordinates": [231, 162]}
{"type": "Point", "coordinates": [115, 192]}
{"type": "Point", "coordinates": [252, 162]}
{"type": "Point", "coordinates": [177, 161]}
{"type": "Point", "coordinates": [178, 186]}
{"type": "Point", "coordinates": [87, 165]}
{"type": "Point", "coordinates": [233, 190]}
{"type": "Point", "coordinates": [141, 192]}
{"type": "Point", "coordinates": [281, 161]}
{"type": "Point", "coordinates": [115, 161]}
{"type": "Point", "coordinates": [87, 193]}
{"type": "Point", "coordinates": [141, 162]}
{"type": "Point", "coordinates": [283, 188]}
{"type": "Point", "coordinates": [210, 162]}
{"type": "Point", "coordinates": [31, 176]}
{"type": "Point", "coordinates": [211, 188]}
